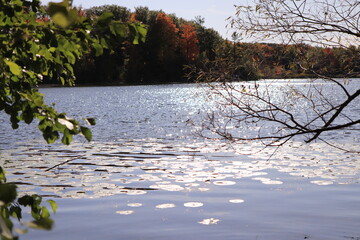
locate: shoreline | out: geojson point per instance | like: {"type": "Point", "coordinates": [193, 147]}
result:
{"type": "Point", "coordinates": [113, 84]}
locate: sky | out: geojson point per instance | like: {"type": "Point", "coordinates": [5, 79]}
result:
{"type": "Point", "coordinates": [215, 12]}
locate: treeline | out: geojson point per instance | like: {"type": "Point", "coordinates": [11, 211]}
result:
{"type": "Point", "coordinates": [264, 60]}
{"type": "Point", "coordinates": [173, 43]}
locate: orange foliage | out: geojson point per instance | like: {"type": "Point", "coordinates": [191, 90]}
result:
{"type": "Point", "coordinates": [81, 12]}
{"type": "Point", "coordinates": [189, 42]}
{"type": "Point", "coordinates": [168, 29]}
{"type": "Point", "coordinates": [43, 19]}
{"type": "Point", "coordinates": [133, 17]}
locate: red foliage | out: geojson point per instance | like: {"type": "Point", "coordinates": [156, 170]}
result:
{"type": "Point", "coordinates": [168, 30]}
{"type": "Point", "coordinates": [328, 51]}
{"type": "Point", "coordinates": [133, 17]}
{"type": "Point", "coordinates": [189, 42]}
{"type": "Point", "coordinates": [81, 12]}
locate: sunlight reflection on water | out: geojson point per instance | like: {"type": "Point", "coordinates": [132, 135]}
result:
{"type": "Point", "coordinates": [145, 167]}
{"type": "Point", "coordinates": [97, 170]}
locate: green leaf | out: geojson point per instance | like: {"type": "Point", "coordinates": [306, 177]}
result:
{"type": "Point", "coordinates": [61, 20]}
{"type": "Point", "coordinates": [105, 18]}
{"type": "Point", "coordinates": [62, 80]}
{"type": "Point", "coordinates": [138, 32]}
{"type": "Point", "coordinates": [134, 33]}
{"type": "Point", "coordinates": [37, 199]}
{"type": "Point", "coordinates": [98, 49]}
{"type": "Point", "coordinates": [119, 29]}
{"type": "Point", "coordinates": [69, 68]}
{"type": "Point", "coordinates": [14, 68]}
{"type": "Point", "coordinates": [15, 212]}
{"type": "Point", "coordinates": [53, 205]}
{"type": "Point", "coordinates": [27, 115]}
{"type": "Point", "coordinates": [87, 133]}
{"type": "Point", "coordinates": [34, 48]}
{"type": "Point", "coordinates": [14, 121]}
{"type": "Point", "coordinates": [59, 13]}
{"type": "Point", "coordinates": [104, 43]}
{"type": "Point", "coordinates": [91, 121]}
{"type": "Point", "coordinates": [8, 193]}
{"type": "Point", "coordinates": [143, 32]}
{"type": "Point", "coordinates": [70, 57]}
{"type": "Point", "coordinates": [49, 135]}
{"type": "Point", "coordinates": [45, 212]}
{"type": "Point", "coordinates": [26, 201]}
{"type": "Point", "coordinates": [67, 137]}
{"type": "Point", "coordinates": [38, 100]}
{"type": "Point", "coordinates": [2, 175]}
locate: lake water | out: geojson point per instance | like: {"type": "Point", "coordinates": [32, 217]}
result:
{"type": "Point", "coordinates": [146, 176]}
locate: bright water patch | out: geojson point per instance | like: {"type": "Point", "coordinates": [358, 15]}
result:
{"type": "Point", "coordinates": [99, 170]}
{"type": "Point", "coordinates": [144, 170]}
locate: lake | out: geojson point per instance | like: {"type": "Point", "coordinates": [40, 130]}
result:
{"type": "Point", "coordinates": [146, 175]}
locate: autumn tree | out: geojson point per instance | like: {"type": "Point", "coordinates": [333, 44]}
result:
{"type": "Point", "coordinates": [167, 33]}
{"type": "Point", "coordinates": [189, 42]}
{"type": "Point", "coordinates": [162, 49]}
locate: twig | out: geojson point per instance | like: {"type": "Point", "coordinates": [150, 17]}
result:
{"type": "Point", "coordinates": [57, 165]}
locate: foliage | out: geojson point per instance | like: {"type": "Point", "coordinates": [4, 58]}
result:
{"type": "Point", "coordinates": [209, 39]}
{"type": "Point", "coordinates": [162, 57]}
{"type": "Point", "coordinates": [38, 45]}
{"type": "Point", "coordinates": [11, 207]}
{"type": "Point", "coordinates": [119, 13]}
{"type": "Point", "coordinates": [109, 66]}
{"type": "Point", "coordinates": [171, 43]}
{"type": "Point", "coordinates": [34, 47]}
{"type": "Point", "coordinates": [189, 42]}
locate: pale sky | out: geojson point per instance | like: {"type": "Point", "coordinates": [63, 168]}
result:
{"type": "Point", "coordinates": [215, 12]}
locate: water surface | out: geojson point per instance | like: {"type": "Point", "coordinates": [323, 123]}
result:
{"type": "Point", "coordinates": [146, 176]}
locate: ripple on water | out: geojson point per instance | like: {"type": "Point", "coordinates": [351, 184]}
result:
{"type": "Point", "coordinates": [209, 221]}
{"type": "Point", "coordinates": [193, 204]}
{"type": "Point", "coordinates": [165, 205]}
{"type": "Point", "coordinates": [178, 170]}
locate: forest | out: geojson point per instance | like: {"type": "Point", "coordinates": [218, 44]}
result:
{"type": "Point", "coordinates": [173, 43]}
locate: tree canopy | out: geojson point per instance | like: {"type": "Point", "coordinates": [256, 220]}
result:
{"type": "Point", "coordinates": [36, 45]}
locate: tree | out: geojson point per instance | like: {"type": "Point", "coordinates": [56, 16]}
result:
{"type": "Point", "coordinates": [119, 13]}
{"type": "Point", "coordinates": [162, 58]}
{"type": "Point", "coordinates": [280, 113]}
{"type": "Point", "coordinates": [32, 49]}
{"type": "Point", "coordinates": [34, 45]}
{"type": "Point", "coordinates": [108, 67]}
{"type": "Point", "coordinates": [168, 38]}
{"type": "Point", "coordinates": [209, 39]}
{"type": "Point", "coordinates": [189, 42]}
